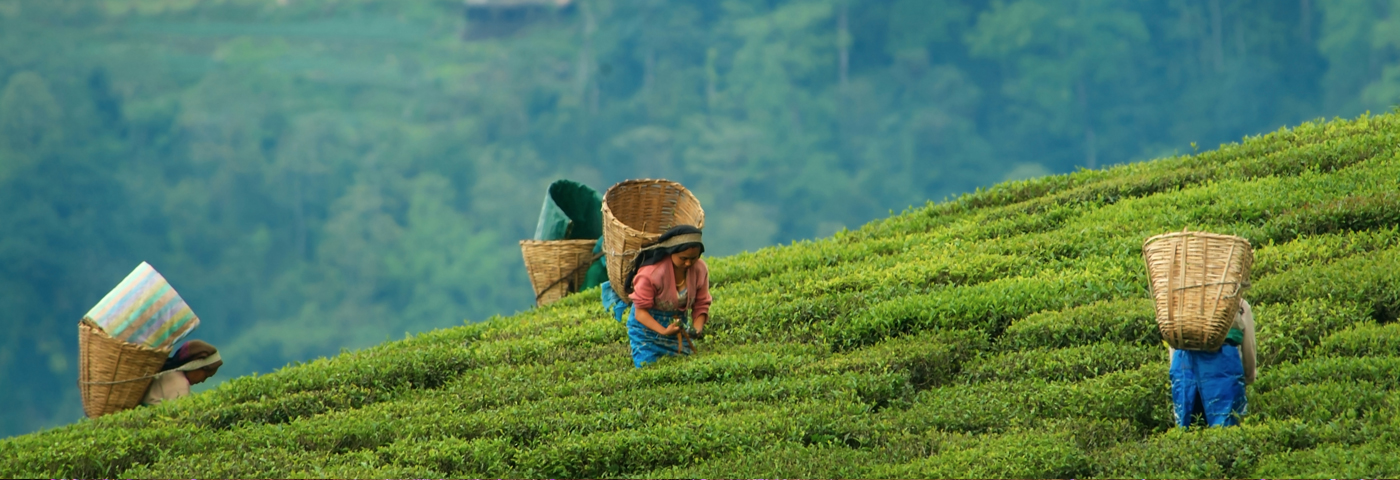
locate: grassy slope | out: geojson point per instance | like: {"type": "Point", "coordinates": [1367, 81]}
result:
{"type": "Point", "coordinates": [1004, 334]}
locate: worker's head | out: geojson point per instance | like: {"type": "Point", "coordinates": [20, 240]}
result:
{"type": "Point", "coordinates": [684, 259]}
{"type": "Point", "coordinates": [199, 375]}
{"type": "Point", "coordinates": [681, 245]}
{"type": "Point", "coordinates": [193, 351]}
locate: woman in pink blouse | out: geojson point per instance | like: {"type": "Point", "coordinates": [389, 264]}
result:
{"type": "Point", "coordinates": [670, 287]}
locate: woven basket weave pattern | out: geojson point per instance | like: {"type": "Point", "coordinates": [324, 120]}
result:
{"type": "Point", "coordinates": [102, 358]}
{"type": "Point", "coordinates": [1197, 280]}
{"type": "Point", "coordinates": [635, 214]}
{"type": "Point", "coordinates": [549, 262]}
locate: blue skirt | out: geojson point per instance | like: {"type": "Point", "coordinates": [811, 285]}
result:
{"type": "Point", "coordinates": [1209, 384]}
{"type": "Point", "coordinates": [648, 346]}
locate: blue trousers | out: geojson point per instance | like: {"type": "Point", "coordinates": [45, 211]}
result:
{"type": "Point", "coordinates": [1209, 384]}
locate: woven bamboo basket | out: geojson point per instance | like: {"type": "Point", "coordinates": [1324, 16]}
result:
{"type": "Point", "coordinates": [1197, 280]}
{"type": "Point", "coordinates": [113, 375]}
{"type": "Point", "coordinates": [635, 214]}
{"type": "Point", "coordinates": [556, 267]}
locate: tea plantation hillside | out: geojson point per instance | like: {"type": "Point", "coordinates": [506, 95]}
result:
{"type": "Point", "coordinates": [1007, 333]}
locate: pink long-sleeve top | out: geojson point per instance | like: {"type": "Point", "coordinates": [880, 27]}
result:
{"type": "Point", "coordinates": [655, 288]}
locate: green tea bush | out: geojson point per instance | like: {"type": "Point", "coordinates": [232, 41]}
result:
{"type": "Point", "coordinates": [452, 456]}
{"type": "Point", "coordinates": [931, 357]}
{"type": "Point", "coordinates": [1202, 452]}
{"type": "Point", "coordinates": [1321, 249]}
{"type": "Point", "coordinates": [1138, 396]}
{"type": "Point", "coordinates": [1288, 332]}
{"type": "Point", "coordinates": [1323, 400]}
{"type": "Point", "coordinates": [989, 306]}
{"type": "Point", "coordinates": [1363, 340]}
{"type": "Point", "coordinates": [1014, 455]}
{"type": "Point", "coordinates": [1378, 371]}
{"type": "Point", "coordinates": [781, 459]}
{"type": "Point", "coordinates": [1007, 333]}
{"type": "Point", "coordinates": [1369, 460]}
{"type": "Point", "coordinates": [1130, 321]}
{"type": "Point", "coordinates": [1370, 279]}
{"type": "Point", "coordinates": [1063, 364]}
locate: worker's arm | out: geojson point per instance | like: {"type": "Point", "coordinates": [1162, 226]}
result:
{"type": "Point", "coordinates": [655, 326]}
{"type": "Point", "coordinates": [702, 297]}
{"type": "Point", "coordinates": [1245, 322]}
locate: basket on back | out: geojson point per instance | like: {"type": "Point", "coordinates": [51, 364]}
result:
{"type": "Point", "coordinates": [1197, 279]}
{"type": "Point", "coordinates": [113, 375]}
{"type": "Point", "coordinates": [635, 214]}
{"type": "Point", "coordinates": [125, 338]}
{"type": "Point", "coordinates": [556, 267]}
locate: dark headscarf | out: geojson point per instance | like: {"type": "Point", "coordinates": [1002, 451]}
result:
{"type": "Point", "coordinates": [656, 255]}
{"type": "Point", "coordinates": [189, 352]}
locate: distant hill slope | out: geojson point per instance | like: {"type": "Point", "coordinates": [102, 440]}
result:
{"type": "Point", "coordinates": [1004, 334]}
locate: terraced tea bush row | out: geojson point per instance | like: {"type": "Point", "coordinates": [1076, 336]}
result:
{"type": "Point", "coordinates": [1201, 453]}
{"type": "Point", "coordinates": [1321, 249]}
{"type": "Point", "coordinates": [256, 463]}
{"type": "Point", "coordinates": [1007, 333]}
{"type": "Point", "coordinates": [1374, 459]}
{"type": "Point", "coordinates": [1320, 399]}
{"type": "Point", "coordinates": [1288, 332]}
{"type": "Point", "coordinates": [1126, 321]}
{"type": "Point", "coordinates": [1380, 371]}
{"type": "Point", "coordinates": [686, 439]}
{"type": "Point", "coordinates": [1348, 214]}
{"type": "Point", "coordinates": [1013, 455]}
{"type": "Point", "coordinates": [1316, 146]}
{"type": "Point", "coordinates": [1370, 279]}
{"type": "Point", "coordinates": [1063, 364]}
{"type": "Point", "coordinates": [931, 357]}
{"type": "Point", "coordinates": [779, 459]}
{"type": "Point", "coordinates": [1363, 340]}
{"type": "Point", "coordinates": [1138, 396]}
{"type": "Point", "coordinates": [989, 306]}
{"type": "Point", "coordinates": [452, 456]}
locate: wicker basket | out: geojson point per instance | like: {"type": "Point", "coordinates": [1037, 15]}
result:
{"type": "Point", "coordinates": [113, 375]}
{"type": "Point", "coordinates": [556, 267]}
{"type": "Point", "coordinates": [635, 214]}
{"type": "Point", "coordinates": [1197, 279]}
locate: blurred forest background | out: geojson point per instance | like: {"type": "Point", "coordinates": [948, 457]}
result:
{"type": "Point", "coordinates": [314, 175]}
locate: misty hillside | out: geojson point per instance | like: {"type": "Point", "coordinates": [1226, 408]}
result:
{"type": "Point", "coordinates": [1007, 333]}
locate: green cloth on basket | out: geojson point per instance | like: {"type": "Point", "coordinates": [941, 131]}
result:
{"type": "Point", "coordinates": [571, 211]}
{"type": "Point", "coordinates": [598, 271]}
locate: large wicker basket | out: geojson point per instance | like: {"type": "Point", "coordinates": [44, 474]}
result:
{"type": "Point", "coordinates": [556, 267]}
{"type": "Point", "coordinates": [113, 375]}
{"type": "Point", "coordinates": [635, 214]}
{"type": "Point", "coordinates": [1197, 280]}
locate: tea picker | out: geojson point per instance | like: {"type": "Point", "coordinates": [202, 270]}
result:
{"type": "Point", "coordinates": [653, 241]}
{"type": "Point", "coordinates": [125, 342]}
{"type": "Point", "coordinates": [1197, 284]}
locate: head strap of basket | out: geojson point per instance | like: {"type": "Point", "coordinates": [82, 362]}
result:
{"type": "Point", "coordinates": [1197, 281]}
{"type": "Point", "coordinates": [635, 214]}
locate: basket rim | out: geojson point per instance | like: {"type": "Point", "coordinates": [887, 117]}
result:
{"type": "Point", "coordinates": [1191, 233]}
{"type": "Point", "coordinates": [557, 242]}
{"type": "Point", "coordinates": [89, 323]}
{"type": "Point", "coordinates": [609, 217]}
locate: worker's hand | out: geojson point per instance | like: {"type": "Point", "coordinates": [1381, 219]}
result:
{"type": "Point", "coordinates": [698, 334]}
{"type": "Point", "coordinates": [671, 330]}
